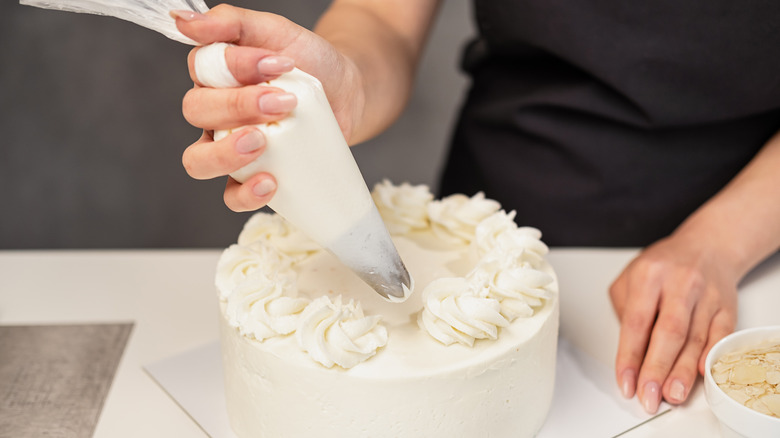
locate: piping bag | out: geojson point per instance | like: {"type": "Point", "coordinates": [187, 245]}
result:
{"type": "Point", "coordinates": [320, 188]}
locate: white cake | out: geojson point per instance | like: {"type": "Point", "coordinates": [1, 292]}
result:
{"type": "Point", "coordinates": [311, 351]}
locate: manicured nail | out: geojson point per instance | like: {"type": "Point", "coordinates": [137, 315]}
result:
{"type": "Point", "coordinates": [277, 103]}
{"type": "Point", "coordinates": [187, 15]}
{"type": "Point", "coordinates": [628, 383]}
{"type": "Point", "coordinates": [677, 390]}
{"type": "Point", "coordinates": [264, 187]}
{"type": "Point", "coordinates": [250, 142]}
{"type": "Point", "coordinates": [275, 65]}
{"type": "Point", "coordinates": [651, 397]}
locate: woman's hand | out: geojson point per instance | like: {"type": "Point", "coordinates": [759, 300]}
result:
{"type": "Point", "coordinates": [674, 301]}
{"type": "Point", "coordinates": [678, 297]}
{"type": "Point", "coordinates": [364, 53]}
{"type": "Point", "coordinates": [267, 45]}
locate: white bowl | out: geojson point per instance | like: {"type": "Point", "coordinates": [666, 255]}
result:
{"type": "Point", "coordinates": [736, 419]}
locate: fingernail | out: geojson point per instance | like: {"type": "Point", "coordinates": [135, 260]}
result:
{"type": "Point", "coordinates": [628, 383]}
{"type": "Point", "coordinates": [275, 65]}
{"type": "Point", "coordinates": [250, 142]}
{"type": "Point", "coordinates": [187, 15]}
{"type": "Point", "coordinates": [651, 397]}
{"type": "Point", "coordinates": [677, 390]}
{"type": "Point", "coordinates": [264, 187]}
{"type": "Point", "coordinates": [277, 103]}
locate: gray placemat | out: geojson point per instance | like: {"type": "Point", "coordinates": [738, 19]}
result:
{"type": "Point", "coordinates": [54, 378]}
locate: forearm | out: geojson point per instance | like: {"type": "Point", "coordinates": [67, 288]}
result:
{"type": "Point", "coordinates": [741, 224]}
{"type": "Point", "coordinates": [383, 40]}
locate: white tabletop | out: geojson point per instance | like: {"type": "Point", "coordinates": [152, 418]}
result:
{"type": "Point", "coordinates": [170, 296]}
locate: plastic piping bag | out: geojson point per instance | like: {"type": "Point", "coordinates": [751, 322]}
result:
{"type": "Point", "coordinates": [151, 14]}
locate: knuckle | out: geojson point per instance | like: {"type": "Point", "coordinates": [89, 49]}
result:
{"type": "Point", "coordinates": [189, 106]}
{"type": "Point", "coordinates": [242, 106]}
{"type": "Point", "coordinates": [657, 367]}
{"type": "Point", "coordinates": [232, 203]}
{"type": "Point", "coordinates": [636, 322]}
{"type": "Point", "coordinates": [186, 105]}
{"type": "Point", "coordinates": [693, 280]}
{"type": "Point", "coordinates": [650, 264]}
{"type": "Point", "coordinates": [632, 356]}
{"type": "Point", "coordinates": [186, 162]}
{"type": "Point", "coordinates": [697, 340]}
{"type": "Point", "coordinates": [239, 198]}
{"type": "Point", "coordinates": [614, 291]}
{"type": "Point", "coordinates": [676, 326]}
{"type": "Point", "coordinates": [727, 320]}
{"type": "Point", "coordinates": [646, 269]}
{"type": "Point", "coordinates": [189, 163]}
{"type": "Point", "coordinates": [235, 104]}
{"type": "Point", "coordinates": [222, 8]}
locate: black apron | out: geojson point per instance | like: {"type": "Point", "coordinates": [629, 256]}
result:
{"type": "Point", "coordinates": [606, 123]}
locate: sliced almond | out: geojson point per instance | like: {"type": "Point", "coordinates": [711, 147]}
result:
{"type": "Point", "coordinates": [748, 374]}
{"type": "Point", "coordinates": [772, 402]}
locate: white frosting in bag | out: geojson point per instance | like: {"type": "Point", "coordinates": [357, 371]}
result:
{"type": "Point", "coordinates": [211, 67]}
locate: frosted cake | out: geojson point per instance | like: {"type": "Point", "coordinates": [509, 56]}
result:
{"type": "Point", "coordinates": [310, 350]}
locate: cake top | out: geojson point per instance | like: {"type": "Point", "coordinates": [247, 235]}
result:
{"type": "Point", "coordinates": [489, 274]}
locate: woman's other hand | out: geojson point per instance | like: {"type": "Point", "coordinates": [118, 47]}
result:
{"type": "Point", "coordinates": [674, 301]}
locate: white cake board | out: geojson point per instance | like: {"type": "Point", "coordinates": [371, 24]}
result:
{"type": "Point", "coordinates": [586, 396]}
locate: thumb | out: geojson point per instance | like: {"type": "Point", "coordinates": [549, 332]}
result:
{"type": "Point", "coordinates": [225, 23]}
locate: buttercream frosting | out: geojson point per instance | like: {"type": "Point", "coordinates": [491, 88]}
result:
{"type": "Point", "coordinates": [456, 217]}
{"type": "Point", "coordinates": [336, 333]}
{"type": "Point", "coordinates": [263, 306]}
{"type": "Point", "coordinates": [404, 208]}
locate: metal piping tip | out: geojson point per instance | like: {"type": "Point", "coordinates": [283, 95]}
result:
{"type": "Point", "coordinates": [394, 286]}
{"type": "Point", "coordinates": [368, 251]}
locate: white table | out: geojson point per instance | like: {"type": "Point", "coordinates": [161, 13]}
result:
{"type": "Point", "coordinates": [169, 294]}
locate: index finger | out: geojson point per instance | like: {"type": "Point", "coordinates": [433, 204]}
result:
{"type": "Point", "coordinates": [638, 311]}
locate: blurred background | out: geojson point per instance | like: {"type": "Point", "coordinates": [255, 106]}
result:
{"type": "Point", "coordinates": [90, 112]}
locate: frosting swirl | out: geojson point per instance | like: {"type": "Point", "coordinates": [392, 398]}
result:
{"type": "Point", "coordinates": [499, 232]}
{"type": "Point", "coordinates": [263, 306]}
{"type": "Point", "coordinates": [455, 218]}
{"type": "Point", "coordinates": [238, 261]}
{"type": "Point", "coordinates": [456, 311]}
{"type": "Point", "coordinates": [514, 283]}
{"type": "Point", "coordinates": [404, 208]}
{"type": "Point", "coordinates": [264, 228]}
{"type": "Point", "coordinates": [333, 333]}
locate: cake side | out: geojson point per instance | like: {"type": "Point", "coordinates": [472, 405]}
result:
{"type": "Point", "coordinates": [507, 395]}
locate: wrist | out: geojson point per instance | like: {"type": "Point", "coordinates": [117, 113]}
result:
{"type": "Point", "coordinates": [720, 243]}
{"type": "Point", "coordinates": [354, 123]}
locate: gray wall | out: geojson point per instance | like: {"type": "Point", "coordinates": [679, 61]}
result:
{"type": "Point", "coordinates": [91, 117]}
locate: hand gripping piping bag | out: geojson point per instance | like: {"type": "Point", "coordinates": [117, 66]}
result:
{"type": "Point", "coordinates": [320, 188]}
